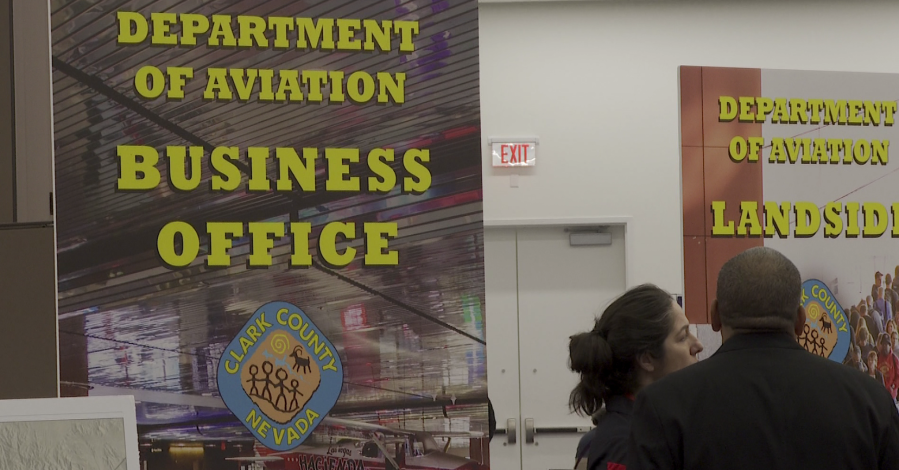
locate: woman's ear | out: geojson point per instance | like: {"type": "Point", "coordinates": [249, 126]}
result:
{"type": "Point", "coordinates": [646, 362]}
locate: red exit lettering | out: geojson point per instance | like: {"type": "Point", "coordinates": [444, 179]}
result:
{"type": "Point", "coordinates": [518, 153]}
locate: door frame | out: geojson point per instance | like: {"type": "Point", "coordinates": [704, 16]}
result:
{"type": "Point", "coordinates": [627, 221]}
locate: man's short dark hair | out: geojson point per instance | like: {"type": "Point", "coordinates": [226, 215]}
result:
{"type": "Point", "coordinates": [759, 289]}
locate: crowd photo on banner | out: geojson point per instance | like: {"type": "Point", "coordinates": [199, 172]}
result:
{"type": "Point", "coordinates": [875, 338]}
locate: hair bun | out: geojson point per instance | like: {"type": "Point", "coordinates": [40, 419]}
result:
{"type": "Point", "coordinates": [589, 353]}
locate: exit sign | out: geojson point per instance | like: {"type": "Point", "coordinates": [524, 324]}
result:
{"type": "Point", "coordinates": [512, 154]}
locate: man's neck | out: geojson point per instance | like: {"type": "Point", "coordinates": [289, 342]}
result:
{"type": "Point", "coordinates": [728, 332]}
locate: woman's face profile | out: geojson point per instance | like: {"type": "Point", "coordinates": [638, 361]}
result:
{"type": "Point", "coordinates": [680, 346]}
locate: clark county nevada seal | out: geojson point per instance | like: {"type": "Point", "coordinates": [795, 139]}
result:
{"type": "Point", "coordinates": [826, 330]}
{"type": "Point", "coordinates": [280, 376]}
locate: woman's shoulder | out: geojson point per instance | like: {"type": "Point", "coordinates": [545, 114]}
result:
{"type": "Point", "coordinates": [583, 446]}
{"type": "Point", "coordinates": [610, 438]}
{"type": "Point", "coordinates": [609, 445]}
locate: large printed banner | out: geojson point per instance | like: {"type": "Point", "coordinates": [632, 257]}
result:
{"type": "Point", "coordinates": [799, 161]}
{"type": "Point", "coordinates": [269, 228]}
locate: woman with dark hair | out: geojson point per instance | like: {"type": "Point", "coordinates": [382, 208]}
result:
{"type": "Point", "coordinates": [640, 337]}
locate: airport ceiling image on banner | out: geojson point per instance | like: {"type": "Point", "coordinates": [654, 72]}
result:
{"type": "Point", "coordinates": [269, 228]}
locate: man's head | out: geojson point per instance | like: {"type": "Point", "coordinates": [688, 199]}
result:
{"type": "Point", "coordinates": [879, 293]}
{"type": "Point", "coordinates": [884, 346]}
{"type": "Point", "coordinates": [759, 290]}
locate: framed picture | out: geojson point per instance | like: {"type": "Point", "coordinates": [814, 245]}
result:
{"type": "Point", "coordinates": [95, 433]}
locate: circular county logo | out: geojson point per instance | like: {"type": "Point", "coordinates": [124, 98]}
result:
{"type": "Point", "coordinates": [826, 330]}
{"type": "Point", "coordinates": [280, 376]}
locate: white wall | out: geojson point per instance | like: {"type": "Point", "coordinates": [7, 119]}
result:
{"type": "Point", "coordinates": [597, 82]}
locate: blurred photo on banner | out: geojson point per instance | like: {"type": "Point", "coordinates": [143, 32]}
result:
{"type": "Point", "coordinates": [799, 161]}
{"type": "Point", "coordinates": [269, 229]}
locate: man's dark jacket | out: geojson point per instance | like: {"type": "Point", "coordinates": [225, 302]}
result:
{"type": "Point", "coordinates": [763, 402]}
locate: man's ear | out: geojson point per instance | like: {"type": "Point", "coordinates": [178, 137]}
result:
{"type": "Point", "coordinates": [715, 317]}
{"type": "Point", "coordinates": [646, 362]}
{"type": "Point", "coordinates": [800, 321]}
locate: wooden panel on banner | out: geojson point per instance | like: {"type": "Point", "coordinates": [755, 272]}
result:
{"type": "Point", "coordinates": [709, 176]}
{"type": "Point", "coordinates": [695, 280]}
{"type": "Point", "coordinates": [691, 106]}
{"type": "Point", "coordinates": [693, 190]}
{"type": "Point", "coordinates": [728, 82]}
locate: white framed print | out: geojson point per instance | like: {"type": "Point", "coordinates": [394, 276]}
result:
{"type": "Point", "coordinates": [96, 433]}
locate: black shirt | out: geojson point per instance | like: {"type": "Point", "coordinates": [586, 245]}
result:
{"type": "Point", "coordinates": [764, 402]}
{"type": "Point", "coordinates": [609, 446]}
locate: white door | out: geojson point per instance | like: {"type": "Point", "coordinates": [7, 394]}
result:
{"type": "Point", "coordinates": [501, 317]}
{"type": "Point", "coordinates": [540, 291]}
